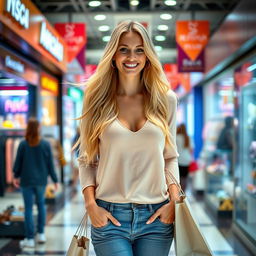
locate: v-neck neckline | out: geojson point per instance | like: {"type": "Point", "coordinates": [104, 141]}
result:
{"type": "Point", "coordinates": [126, 128]}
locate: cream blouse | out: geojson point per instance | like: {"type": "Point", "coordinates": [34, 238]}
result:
{"type": "Point", "coordinates": [134, 167]}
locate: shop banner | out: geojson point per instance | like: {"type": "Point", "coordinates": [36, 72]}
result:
{"type": "Point", "coordinates": [185, 64]}
{"type": "Point", "coordinates": [243, 74]}
{"type": "Point", "coordinates": [171, 72]}
{"type": "Point", "coordinates": [75, 36]}
{"type": "Point", "coordinates": [177, 80]}
{"type": "Point", "coordinates": [191, 38]}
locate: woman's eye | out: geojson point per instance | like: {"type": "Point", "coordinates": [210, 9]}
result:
{"type": "Point", "coordinates": [140, 50]}
{"type": "Point", "coordinates": [123, 50]}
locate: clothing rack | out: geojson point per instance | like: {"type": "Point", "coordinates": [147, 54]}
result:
{"type": "Point", "coordinates": [9, 141]}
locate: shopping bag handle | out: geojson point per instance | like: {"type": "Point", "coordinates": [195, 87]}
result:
{"type": "Point", "coordinates": [82, 227]}
{"type": "Point", "coordinates": [182, 193]}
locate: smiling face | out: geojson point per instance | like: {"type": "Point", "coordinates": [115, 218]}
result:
{"type": "Point", "coordinates": [130, 58]}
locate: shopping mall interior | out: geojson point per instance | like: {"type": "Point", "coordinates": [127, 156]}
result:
{"type": "Point", "coordinates": [49, 49]}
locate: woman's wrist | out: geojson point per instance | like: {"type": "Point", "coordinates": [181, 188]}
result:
{"type": "Point", "coordinates": [90, 204]}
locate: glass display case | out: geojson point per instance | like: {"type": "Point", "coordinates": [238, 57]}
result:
{"type": "Point", "coordinates": [217, 164]}
{"type": "Point", "coordinates": [245, 192]}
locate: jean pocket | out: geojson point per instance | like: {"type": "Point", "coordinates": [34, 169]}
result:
{"type": "Point", "coordinates": [103, 227]}
{"type": "Point", "coordinates": [165, 224]}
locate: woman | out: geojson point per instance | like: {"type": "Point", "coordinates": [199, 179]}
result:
{"type": "Point", "coordinates": [127, 148]}
{"type": "Point", "coordinates": [185, 154]}
{"type": "Point", "coordinates": [32, 165]}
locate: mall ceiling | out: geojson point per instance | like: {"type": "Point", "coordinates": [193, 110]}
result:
{"type": "Point", "coordinates": [146, 10]}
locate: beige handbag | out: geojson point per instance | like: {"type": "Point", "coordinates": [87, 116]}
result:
{"type": "Point", "coordinates": [79, 245]}
{"type": "Point", "coordinates": [188, 238]}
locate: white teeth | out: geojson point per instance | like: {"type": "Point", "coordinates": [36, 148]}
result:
{"type": "Point", "coordinates": [131, 65]}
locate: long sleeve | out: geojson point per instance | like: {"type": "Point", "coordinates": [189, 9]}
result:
{"type": "Point", "coordinates": [87, 173]}
{"type": "Point", "coordinates": [50, 164]}
{"type": "Point", "coordinates": [18, 162]}
{"type": "Point", "coordinates": [170, 153]}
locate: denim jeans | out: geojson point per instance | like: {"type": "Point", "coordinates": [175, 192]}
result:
{"type": "Point", "coordinates": [134, 237]}
{"type": "Point", "coordinates": [28, 196]}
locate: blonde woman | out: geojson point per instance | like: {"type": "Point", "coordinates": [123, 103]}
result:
{"type": "Point", "coordinates": [128, 152]}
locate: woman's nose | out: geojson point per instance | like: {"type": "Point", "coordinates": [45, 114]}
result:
{"type": "Point", "coordinates": [131, 55]}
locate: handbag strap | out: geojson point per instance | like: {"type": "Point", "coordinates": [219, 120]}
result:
{"type": "Point", "coordinates": [83, 226]}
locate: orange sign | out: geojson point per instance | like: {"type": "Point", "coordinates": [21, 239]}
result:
{"type": "Point", "coordinates": [192, 36]}
{"type": "Point", "coordinates": [24, 19]}
{"type": "Point", "coordinates": [49, 83]}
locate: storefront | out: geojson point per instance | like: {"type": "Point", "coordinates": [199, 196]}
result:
{"type": "Point", "coordinates": [229, 97]}
{"type": "Point", "coordinates": [245, 158]}
{"type": "Point", "coordinates": [216, 158]}
{"type": "Point", "coordinates": [32, 63]}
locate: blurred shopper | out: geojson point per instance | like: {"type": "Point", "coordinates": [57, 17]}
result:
{"type": "Point", "coordinates": [185, 154]}
{"type": "Point", "coordinates": [225, 143]}
{"type": "Point", "coordinates": [32, 166]}
{"type": "Point", "coordinates": [128, 154]}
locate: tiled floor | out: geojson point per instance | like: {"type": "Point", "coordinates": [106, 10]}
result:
{"type": "Point", "coordinates": [62, 226]}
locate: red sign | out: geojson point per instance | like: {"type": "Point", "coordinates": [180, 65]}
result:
{"type": "Point", "coordinates": [75, 36]}
{"type": "Point", "coordinates": [171, 72]}
{"type": "Point", "coordinates": [177, 79]}
{"type": "Point", "coordinates": [192, 36]}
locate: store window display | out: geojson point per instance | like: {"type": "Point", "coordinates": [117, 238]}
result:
{"type": "Point", "coordinates": [246, 176]}
{"type": "Point", "coordinates": [216, 156]}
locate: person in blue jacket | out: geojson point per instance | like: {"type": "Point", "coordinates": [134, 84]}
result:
{"type": "Point", "coordinates": [33, 164]}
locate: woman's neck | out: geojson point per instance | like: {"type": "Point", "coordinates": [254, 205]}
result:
{"type": "Point", "coordinates": [129, 86]}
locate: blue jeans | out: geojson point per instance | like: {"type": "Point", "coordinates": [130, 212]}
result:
{"type": "Point", "coordinates": [134, 237]}
{"type": "Point", "coordinates": [28, 197]}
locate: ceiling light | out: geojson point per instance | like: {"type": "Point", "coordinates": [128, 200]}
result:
{"type": "Point", "coordinates": [158, 48]}
{"type": "Point", "coordinates": [162, 27]}
{"type": "Point", "coordinates": [165, 16]}
{"type": "Point", "coordinates": [100, 17]}
{"type": "Point", "coordinates": [94, 3]}
{"type": "Point", "coordinates": [103, 28]}
{"type": "Point", "coordinates": [134, 2]}
{"type": "Point", "coordinates": [170, 2]}
{"type": "Point", "coordinates": [106, 38]}
{"type": "Point", "coordinates": [160, 38]}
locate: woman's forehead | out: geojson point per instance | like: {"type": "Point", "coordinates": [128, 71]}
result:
{"type": "Point", "coordinates": [131, 38]}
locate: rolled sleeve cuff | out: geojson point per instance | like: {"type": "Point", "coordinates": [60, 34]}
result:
{"type": "Point", "coordinates": [87, 175]}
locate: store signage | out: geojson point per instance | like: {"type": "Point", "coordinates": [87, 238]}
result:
{"type": "Point", "coordinates": [51, 43]}
{"type": "Point", "coordinates": [75, 36]}
{"type": "Point", "coordinates": [185, 64]}
{"type": "Point", "coordinates": [19, 12]}
{"type": "Point", "coordinates": [14, 64]}
{"type": "Point", "coordinates": [178, 81]}
{"type": "Point", "coordinates": [191, 38]}
{"type": "Point", "coordinates": [15, 105]}
{"type": "Point", "coordinates": [75, 93]}
{"type": "Point", "coordinates": [49, 83]}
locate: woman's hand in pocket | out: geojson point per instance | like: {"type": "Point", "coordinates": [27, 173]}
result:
{"type": "Point", "coordinates": [99, 216]}
{"type": "Point", "coordinates": [166, 214]}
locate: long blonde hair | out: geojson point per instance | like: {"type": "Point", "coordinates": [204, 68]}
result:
{"type": "Point", "coordinates": [99, 104]}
